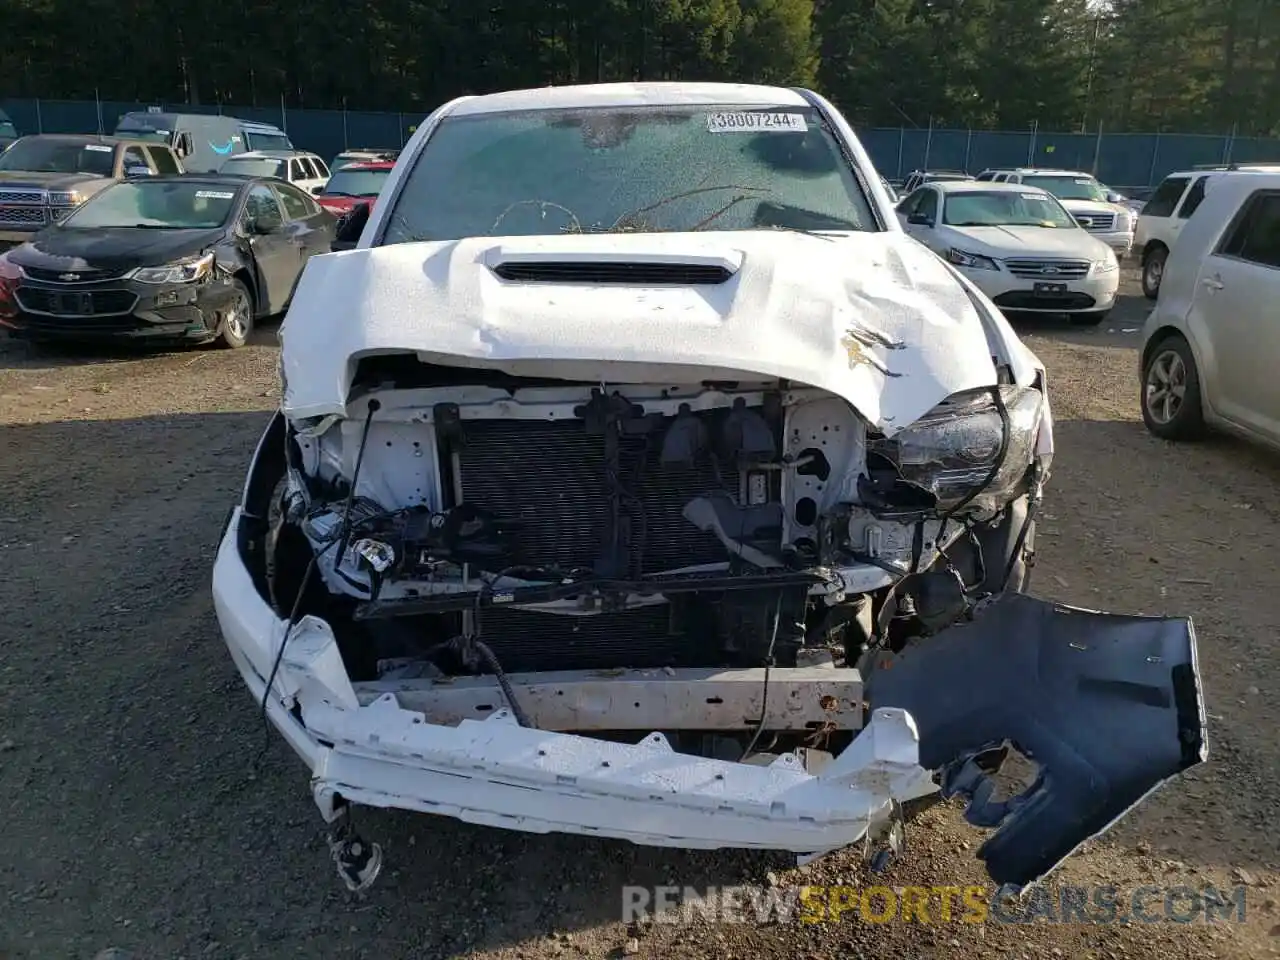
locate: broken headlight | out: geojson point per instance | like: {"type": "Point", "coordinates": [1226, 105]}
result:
{"type": "Point", "coordinates": [954, 451]}
{"type": "Point", "coordinates": [183, 271]}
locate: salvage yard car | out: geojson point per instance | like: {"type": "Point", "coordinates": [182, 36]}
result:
{"type": "Point", "coordinates": [354, 183]}
{"type": "Point", "coordinates": [204, 141]}
{"type": "Point", "coordinates": [1086, 199]}
{"type": "Point", "coordinates": [44, 177]}
{"type": "Point", "coordinates": [1162, 218]}
{"type": "Point", "coordinates": [192, 258]}
{"type": "Point", "coordinates": [1018, 245]}
{"type": "Point", "coordinates": [1210, 346]}
{"type": "Point", "coordinates": [306, 171]}
{"type": "Point", "coordinates": [665, 490]}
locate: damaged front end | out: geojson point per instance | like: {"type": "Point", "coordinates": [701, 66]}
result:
{"type": "Point", "coordinates": [710, 613]}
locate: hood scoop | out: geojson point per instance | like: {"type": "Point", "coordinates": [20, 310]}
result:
{"type": "Point", "coordinates": [635, 273]}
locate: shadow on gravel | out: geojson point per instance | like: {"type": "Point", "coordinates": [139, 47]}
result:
{"type": "Point", "coordinates": [1120, 330]}
{"type": "Point", "coordinates": [167, 820]}
{"type": "Point", "coordinates": [18, 354]}
{"type": "Point", "coordinates": [148, 782]}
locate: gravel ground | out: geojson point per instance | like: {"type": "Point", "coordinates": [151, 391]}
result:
{"type": "Point", "coordinates": [136, 817]}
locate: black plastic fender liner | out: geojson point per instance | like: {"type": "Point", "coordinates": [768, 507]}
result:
{"type": "Point", "coordinates": [1108, 706]}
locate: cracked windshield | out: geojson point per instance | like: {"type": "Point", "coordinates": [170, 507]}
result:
{"type": "Point", "coordinates": [643, 171]}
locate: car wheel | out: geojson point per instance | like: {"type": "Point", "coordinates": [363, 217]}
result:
{"type": "Point", "coordinates": [236, 321]}
{"type": "Point", "coordinates": [1153, 272]}
{"type": "Point", "coordinates": [1171, 391]}
{"type": "Point", "coordinates": [1090, 319]}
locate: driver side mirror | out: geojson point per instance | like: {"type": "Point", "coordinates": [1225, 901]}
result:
{"type": "Point", "coordinates": [920, 220]}
{"type": "Point", "coordinates": [317, 190]}
{"type": "Point", "coordinates": [263, 228]}
{"type": "Point", "coordinates": [349, 228]}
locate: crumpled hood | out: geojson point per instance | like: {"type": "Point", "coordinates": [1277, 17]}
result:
{"type": "Point", "coordinates": [1019, 241]}
{"type": "Point", "coordinates": [872, 317]}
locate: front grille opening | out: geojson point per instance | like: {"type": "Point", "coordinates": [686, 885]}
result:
{"type": "Point", "coordinates": [620, 272]}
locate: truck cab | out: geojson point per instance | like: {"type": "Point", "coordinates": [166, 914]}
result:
{"type": "Point", "coordinates": [45, 177]}
{"type": "Point", "coordinates": [203, 141]}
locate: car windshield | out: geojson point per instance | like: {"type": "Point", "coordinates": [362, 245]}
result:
{"type": "Point", "coordinates": [254, 167]}
{"type": "Point", "coordinates": [59, 156]}
{"type": "Point", "coordinates": [156, 204]}
{"type": "Point", "coordinates": [1004, 208]}
{"type": "Point", "coordinates": [267, 141]}
{"type": "Point", "coordinates": [638, 169]}
{"type": "Point", "coordinates": [936, 177]}
{"type": "Point", "coordinates": [349, 182]}
{"type": "Point", "coordinates": [1068, 187]}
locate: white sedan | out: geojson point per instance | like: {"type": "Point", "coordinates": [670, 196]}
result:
{"type": "Point", "coordinates": [1018, 245]}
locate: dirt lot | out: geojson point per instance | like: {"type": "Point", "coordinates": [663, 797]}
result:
{"type": "Point", "coordinates": [134, 816]}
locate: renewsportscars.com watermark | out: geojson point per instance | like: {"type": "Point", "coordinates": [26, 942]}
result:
{"type": "Point", "coordinates": [1102, 904]}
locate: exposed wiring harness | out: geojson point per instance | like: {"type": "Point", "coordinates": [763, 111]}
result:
{"type": "Point", "coordinates": [1006, 431]}
{"type": "Point", "coordinates": [764, 695]}
{"type": "Point", "coordinates": [343, 538]}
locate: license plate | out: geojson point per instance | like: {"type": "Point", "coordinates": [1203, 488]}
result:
{"type": "Point", "coordinates": [1050, 288]}
{"type": "Point", "coordinates": [75, 304]}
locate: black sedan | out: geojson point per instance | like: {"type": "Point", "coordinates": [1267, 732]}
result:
{"type": "Point", "coordinates": [185, 258]}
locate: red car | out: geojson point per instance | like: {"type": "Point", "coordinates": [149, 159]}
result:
{"type": "Point", "coordinates": [352, 184]}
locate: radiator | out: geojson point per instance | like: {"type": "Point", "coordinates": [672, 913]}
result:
{"type": "Point", "coordinates": [550, 476]}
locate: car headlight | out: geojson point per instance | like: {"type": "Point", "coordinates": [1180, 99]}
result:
{"type": "Point", "coordinates": [66, 198]}
{"type": "Point", "coordinates": [1108, 265]}
{"type": "Point", "coordinates": [184, 271]}
{"type": "Point", "coordinates": [974, 261]}
{"type": "Point", "coordinates": [954, 450]}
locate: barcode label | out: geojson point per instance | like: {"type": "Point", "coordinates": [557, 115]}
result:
{"type": "Point", "coordinates": [756, 123]}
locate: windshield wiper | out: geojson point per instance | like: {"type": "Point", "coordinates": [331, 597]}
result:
{"type": "Point", "coordinates": [627, 222]}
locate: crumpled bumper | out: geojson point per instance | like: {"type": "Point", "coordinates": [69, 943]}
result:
{"type": "Point", "coordinates": [498, 773]}
{"type": "Point", "coordinates": [1110, 707]}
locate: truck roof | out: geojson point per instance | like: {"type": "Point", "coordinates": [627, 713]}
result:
{"type": "Point", "coordinates": [168, 116]}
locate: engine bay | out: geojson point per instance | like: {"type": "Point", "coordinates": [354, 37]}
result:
{"type": "Point", "coordinates": [577, 526]}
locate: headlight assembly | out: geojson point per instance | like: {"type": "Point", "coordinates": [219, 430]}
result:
{"type": "Point", "coordinates": [974, 261]}
{"type": "Point", "coordinates": [1109, 265]}
{"type": "Point", "coordinates": [954, 451]}
{"type": "Point", "coordinates": [184, 271]}
{"type": "Point", "coordinates": [65, 198]}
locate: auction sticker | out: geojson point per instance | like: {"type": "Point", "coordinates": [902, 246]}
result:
{"type": "Point", "coordinates": [98, 148]}
{"type": "Point", "coordinates": [213, 195]}
{"type": "Point", "coordinates": [758, 122]}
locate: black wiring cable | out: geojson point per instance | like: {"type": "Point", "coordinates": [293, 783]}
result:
{"type": "Point", "coordinates": [1006, 431]}
{"type": "Point", "coordinates": [374, 405]}
{"type": "Point", "coordinates": [764, 696]}
{"type": "Point", "coordinates": [307, 574]}
{"type": "Point", "coordinates": [470, 646]}
{"type": "Point", "coordinates": [1033, 504]}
